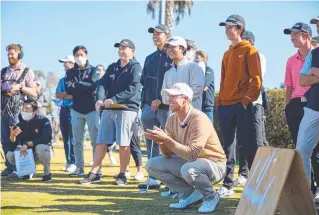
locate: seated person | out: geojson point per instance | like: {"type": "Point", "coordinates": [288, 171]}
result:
{"type": "Point", "coordinates": [193, 157]}
{"type": "Point", "coordinates": [32, 132]}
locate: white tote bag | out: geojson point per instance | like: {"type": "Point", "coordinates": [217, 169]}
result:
{"type": "Point", "coordinates": [25, 164]}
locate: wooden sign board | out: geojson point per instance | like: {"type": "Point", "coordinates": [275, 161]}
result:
{"type": "Point", "coordinates": [277, 178]}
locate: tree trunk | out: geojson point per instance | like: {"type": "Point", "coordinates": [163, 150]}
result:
{"type": "Point", "coordinates": [169, 13]}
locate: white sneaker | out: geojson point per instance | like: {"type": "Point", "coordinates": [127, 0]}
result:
{"type": "Point", "coordinates": [127, 175]}
{"type": "Point", "coordinates": [209, 206]}
{"type": "Point", "coordinates": [241, 180]}
{"type": "Point", "coordinates": [71, 168]}
{"type": "Point", "coordinates": [65, 167]}
{"type": "Point", "coordinates": [112, 159]}
{"type": "Point", "coordinates": [139, 176]}
{"type": "Point", "coordinates": [194, 198]}
{"type": "Point", "coordinates": [223, 191]}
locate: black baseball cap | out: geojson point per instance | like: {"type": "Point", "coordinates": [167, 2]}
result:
{"type": "Point", "coordinates": [248, 35]}
{"type": "Point", "coordinates": [315, 39]}
{"type": "Point", "coordinates": [299, 27]}
{"type": "Point", "coordinates": [314, 20]}
{"type": "Point", "coordinates": [234, 20]}
{"type": "Point", "coordinates": [125, 43]}
{"type": "Point", "coordinates": [161, 29]}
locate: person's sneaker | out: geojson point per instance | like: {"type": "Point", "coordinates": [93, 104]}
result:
{"type": "Point", "coordinates": [13, 175]}
{"type": "Point", "coordinates": [6, 172]}
{"type": "Point", "coordinates": [47, 178]}
{"type": "Point", "coordinates": [65, 167]}
{"type": "Point", "coordinates": [166, 192]}
{"type": "Point", "coordinates": [120, 179]}
{"type": "Point", "coordinates": [223, 191]}
{"type": "Point", "coordinates": [152, 184]}
{"type": "Point", "coordinates": [99, 173]}
{"type": "Point", "coordinates": [209, 206]}
{"type": "Point", "coordinates": [71, 168]}
{"type": "Point", "coordinates": [27, 177]}
{"type": "Point", "coordinates": [139, 176]}
{"type": "Point", "coordinates": [241, 180]}
{"type": "Point", "coordinates": [78, 172]}
{"type": "Point", "coordinates": [194, 198]}
{"type": "Point", "coordinates": [91, 178]}
{"type": "Point", "coordinates": [127, 175]}
{"type": "Point", "coordinates": [112, 159]}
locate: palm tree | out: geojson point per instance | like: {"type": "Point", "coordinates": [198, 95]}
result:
{"type": "Point", "coordinates": [172, 8]}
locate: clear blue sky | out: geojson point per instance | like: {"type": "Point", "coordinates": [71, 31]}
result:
{"type": "Point", "coordinates": [50, 30]}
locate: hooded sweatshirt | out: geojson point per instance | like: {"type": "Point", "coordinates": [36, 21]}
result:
{"type": "Point", "coordinates": [241, 77]}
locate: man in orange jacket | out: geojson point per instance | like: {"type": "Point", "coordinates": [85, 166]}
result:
{"type": "Point", "coordinates": [240, 85]}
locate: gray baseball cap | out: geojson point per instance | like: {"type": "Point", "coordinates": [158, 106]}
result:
{"type": "Point", "coordinates": [299, 27]}
{"type": "Point", "coordinates": [161, 29]}
{"type": "Point", "coordinates": [249, 35]}
{"type": "Point", "coordinates": [234, 20]}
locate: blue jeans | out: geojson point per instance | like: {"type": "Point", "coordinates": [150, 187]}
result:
{"type": "Point", "coordinates": [149, 119]}
{"type": "Point", "coordinates": [258, 125]}
{"type": "Point", "coordinates": [67, 135]}
{"type": "Point", "coordinates": [6, 121]}
{"type": "Point", "coordinates": [210, 115]}
{"type": "Point", "coordinates": [308, 137]}
{"type": "Point", "coordinates": [231, 118]}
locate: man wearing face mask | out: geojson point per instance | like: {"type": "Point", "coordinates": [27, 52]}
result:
{"type": "Point", "coordinates": [183, 71]}
{"type": "Point", "coordinates": [32, 132]}
{"type": "Point", "coordinates": [154, 112]}
{"type": "Point", "coordinates": [17, 82]}
{"type": "Point", "coordinates": [81, 82]}
{"type": "Point", "coordinates": [121, 86]}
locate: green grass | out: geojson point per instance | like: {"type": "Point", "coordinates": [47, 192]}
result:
{"type": "Point", "coordinates": [64, 196]}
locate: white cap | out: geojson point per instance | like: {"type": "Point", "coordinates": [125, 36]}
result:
{"type": "Point", "coordinates": [179, 89]}
{"type": "Point", "coordinates": [177, 41]}
{"type": "Point", "coordinates": [68, 58]}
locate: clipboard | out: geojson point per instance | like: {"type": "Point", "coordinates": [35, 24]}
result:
{"type": "Point", "coordinates": [116, 106]}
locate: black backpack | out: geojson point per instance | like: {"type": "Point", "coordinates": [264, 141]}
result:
{"type": "Point", "coordinates": [11, 101]}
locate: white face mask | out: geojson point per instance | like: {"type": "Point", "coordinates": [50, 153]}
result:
{"type": "Point", "coordinates": [26, 116]}
{"type": "Point", "coordinates": [81, 61]}
{"type": "Point", "coordinates": [190, 55]}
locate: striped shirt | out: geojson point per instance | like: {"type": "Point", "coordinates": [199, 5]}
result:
{"type": "Point", "coordinates": [293, 67]}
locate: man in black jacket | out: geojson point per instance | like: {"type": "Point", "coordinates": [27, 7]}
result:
{"type": "Point", "coordinates": [81, 82]}
{"type": "Point", "coordinates": [154, 112]}
{"type": "Point", "coordinates": [120, 86]}
{"type": "Point", "coordinates": [32, 132]}
{"type": "Point", "coordinates": [201, 57]}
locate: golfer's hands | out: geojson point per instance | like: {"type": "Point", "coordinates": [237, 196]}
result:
{"type": "Point", "coordinates": [23, 150]}
{"type": "Point", "coordinates": [155, 104]}
{"type": "Point", "coordinates": [15, 132]}
{"type": "Point", "coordinates": [158, 135]}
{"type": "Point", "coordinates": [98, 105]}
{"type": "Point", "coordinates": [107, 103]}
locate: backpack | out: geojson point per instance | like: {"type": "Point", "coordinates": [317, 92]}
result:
{"type": "Point", "coordinates": [11, 101]}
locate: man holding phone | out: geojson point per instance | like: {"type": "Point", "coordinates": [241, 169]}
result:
{"type": "Point", "coordinates": [32, 132]}
{"type": "Point", "coordinates": [193, 158]}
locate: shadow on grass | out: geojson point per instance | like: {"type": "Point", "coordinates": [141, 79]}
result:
{"type": "Point", "coordinates": [125, 207]}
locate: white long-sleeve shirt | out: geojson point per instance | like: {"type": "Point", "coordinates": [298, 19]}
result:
{"type": "Point", "coordinates": [189, 73]}
{"type": "Point", "coordinates": [263, 71]}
